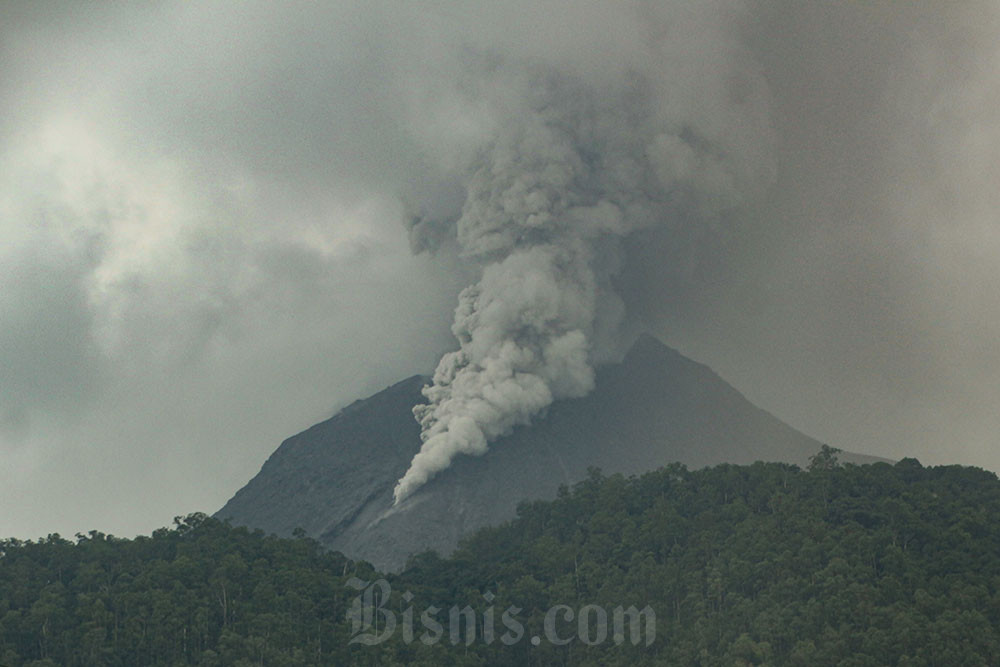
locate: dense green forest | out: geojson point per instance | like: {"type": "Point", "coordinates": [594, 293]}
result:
{"type": "Point", "coordinates": [741, 565]}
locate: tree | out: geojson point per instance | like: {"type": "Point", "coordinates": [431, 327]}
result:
{"type": "Point", "coordinates": [825, 459]}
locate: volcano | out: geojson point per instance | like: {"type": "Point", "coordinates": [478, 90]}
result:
{"type": "Point", "coordinates": [335, 480]}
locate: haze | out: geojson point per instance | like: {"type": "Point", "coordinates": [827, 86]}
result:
{"type": "Point", "coordinates": [203, 210]}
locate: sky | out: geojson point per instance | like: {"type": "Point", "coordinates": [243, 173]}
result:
{"type": "Point", "coordinates": [206, 239]}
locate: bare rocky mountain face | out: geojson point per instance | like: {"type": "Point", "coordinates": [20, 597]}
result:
{"type": "Point", "coordinates": [335, 480]}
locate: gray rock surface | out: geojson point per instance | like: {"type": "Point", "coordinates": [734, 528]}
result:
{"type": "Point", "coordinates": [335, 480]}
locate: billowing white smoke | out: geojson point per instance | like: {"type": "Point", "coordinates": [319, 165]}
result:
{"type": "Point", "coordinates": [576, 163]}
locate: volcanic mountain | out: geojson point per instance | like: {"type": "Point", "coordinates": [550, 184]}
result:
{"type": "Point", "coordinates": [335, 480]}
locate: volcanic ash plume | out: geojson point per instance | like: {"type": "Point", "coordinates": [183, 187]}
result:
{"type": "Point", "coordinates": [575, 164]}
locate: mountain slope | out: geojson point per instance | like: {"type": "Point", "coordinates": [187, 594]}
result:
{"type": "Point", "coordinates": [335, 480]}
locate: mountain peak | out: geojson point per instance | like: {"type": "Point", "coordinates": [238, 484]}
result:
{"type": "Point", "coordinates": [649, 352]}
{"type": "Point", "coordinates": [646, 344]}
{"type": "Point", "coordinates": [656, 407]}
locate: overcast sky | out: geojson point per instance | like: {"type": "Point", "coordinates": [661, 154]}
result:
{"type": "Point", "coordinates": [203, 248]}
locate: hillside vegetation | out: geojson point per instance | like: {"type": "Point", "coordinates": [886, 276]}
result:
{"type": "Point", "coordinates": [742, 565]}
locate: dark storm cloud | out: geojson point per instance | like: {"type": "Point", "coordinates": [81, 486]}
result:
{"type": "Point", "coordinates": [859, 299]}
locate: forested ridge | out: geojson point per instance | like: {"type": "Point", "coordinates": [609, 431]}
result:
{"type": "Point", "coordinates": [743, 565]}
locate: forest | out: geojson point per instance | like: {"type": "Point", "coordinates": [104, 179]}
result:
{"type": "Point", "coordinates": [766, 564]}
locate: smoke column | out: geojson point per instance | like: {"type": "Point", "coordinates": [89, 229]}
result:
{"type": "Point", "coordinates": [673, 133]}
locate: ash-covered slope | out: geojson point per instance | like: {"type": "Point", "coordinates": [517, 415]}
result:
{"type": "Point", "coordinates": [335, 480]}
